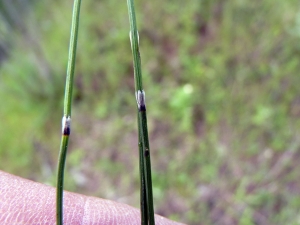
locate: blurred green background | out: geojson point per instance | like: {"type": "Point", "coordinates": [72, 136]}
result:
{"type": "Point", "coordinates": [223, 97]}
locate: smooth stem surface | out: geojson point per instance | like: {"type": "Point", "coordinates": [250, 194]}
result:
{"type": "Point", "coordinates": [66, 124]}
{"type": "Point", "coordinates": [147, 211]}
{"type": "Point", "coordinates": [143, 196]}
{"type": "Point", "coordinates": [71, 60]}
{"type": "Point", "coordinates": [147, 164]}
{"type": "Point", "coordinates": [60, 179]}
{"type": "Point", "coordinates": [134, 39]}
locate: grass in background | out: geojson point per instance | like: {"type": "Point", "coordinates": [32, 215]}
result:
{"type": "Point", "coordinates": [225, 73]}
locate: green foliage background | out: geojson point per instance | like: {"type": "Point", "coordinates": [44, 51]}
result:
{"type": "Point", "coordinates": [222, 89]}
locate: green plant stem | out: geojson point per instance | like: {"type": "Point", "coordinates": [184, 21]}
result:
{"type": "Point", "coordinates": [143, 196]}
{"type": "Point", "coordinates": [66, 124]}
{"type": "Point", "coordinates": [146, 165]}
{"type": "Point", "coordinates": [147, 211]}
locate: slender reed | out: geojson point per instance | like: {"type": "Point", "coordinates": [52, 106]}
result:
{"type": "Point", "coordinates": [66, 120]}
{"type": "Point", "coordinates": [147, 211]}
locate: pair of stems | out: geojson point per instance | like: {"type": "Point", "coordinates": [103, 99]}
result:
{"type": "Point", "coordinates": [147, 211]}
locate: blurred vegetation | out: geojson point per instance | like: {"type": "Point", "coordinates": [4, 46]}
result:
{"type": "Point", "coordinates": [222, 87]}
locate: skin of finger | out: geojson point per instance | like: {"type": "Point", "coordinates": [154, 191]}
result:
{"type": "Point", "coordinates": [26, 202]}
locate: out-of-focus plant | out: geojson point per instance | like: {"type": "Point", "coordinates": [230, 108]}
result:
{"type": "Point", "coordinates": [241, 58]}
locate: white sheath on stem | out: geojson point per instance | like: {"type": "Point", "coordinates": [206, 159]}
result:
{"type": "Point", "coordinates": [141, 100]}
{"type": "Point", "coordinates": [66, 125]}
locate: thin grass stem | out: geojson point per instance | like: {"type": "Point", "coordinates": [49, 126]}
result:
{"type": "Point", "coordinates": [147, 211]}
{"type": "Point", "coordinates": [143, 196]}
{"type": "Point", "coordinates": [66, 121]}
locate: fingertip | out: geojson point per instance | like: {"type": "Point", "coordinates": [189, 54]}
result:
{"type": "Point", "coordinates": [28, 202]}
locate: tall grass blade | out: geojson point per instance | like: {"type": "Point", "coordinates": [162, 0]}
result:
{"type": "Point", "coordinates": [147, 211]}
{"type": "Point", "coordinates": [66, 121]}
